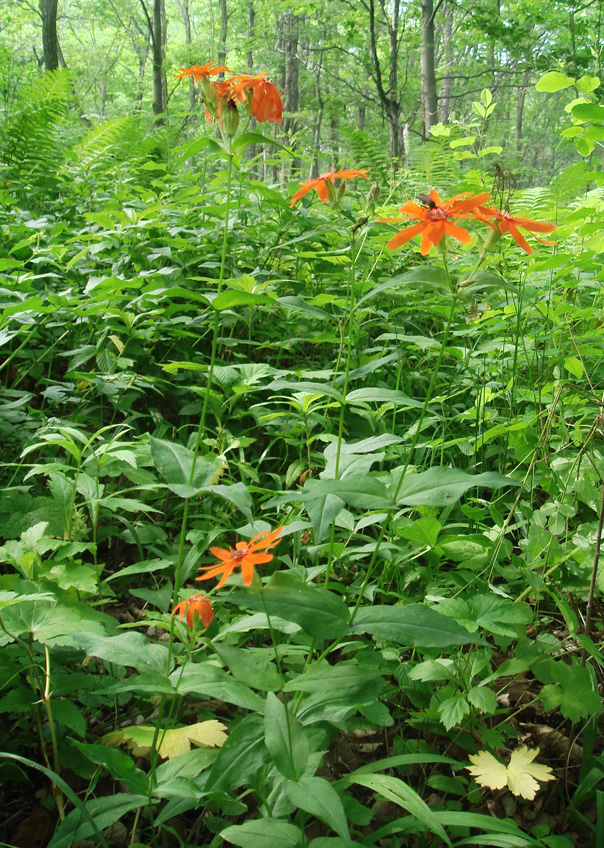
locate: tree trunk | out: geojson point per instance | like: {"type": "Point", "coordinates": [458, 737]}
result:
{"type": "Point", "coordinates": [159, 105]}
{"type": "Point", "coordinates": [183, 5]}
{"type": "Point", "coordinates": [224, 23]}
{"type": "Point", "coordinates": [315, 169]}
{"type": "Point", "coordinates": [290, 44]}
{"type": "Point", "coordinates": [50, 41]}
{"type": "Point", "coordinates": [445, 89]}
{"type": "Point", "coordinates": [428, 72]}
{"type": "Point", "coordinates": [251, 32]}
{"type": "Point", "coordinates": [389, 99]}
{"type": "Point", "coordinates": [520, 108]}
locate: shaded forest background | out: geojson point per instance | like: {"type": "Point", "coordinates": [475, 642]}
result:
{"type": "Point", "coordinates": [365, 81]}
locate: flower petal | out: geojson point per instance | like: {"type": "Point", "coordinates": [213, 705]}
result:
{"type": "Point", "coordinates": [405, 235]}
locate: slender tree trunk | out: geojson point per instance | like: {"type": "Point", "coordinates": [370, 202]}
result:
{"type": "Point", "coordinates": [445, 89]}
{"type": "Point", "coordinates": [50, 41]}
{"type": "Point", "coordinates": [520, 107]}
{"type": "Point", "coordinates": [315, 169]}
{"type": "Point", "coordinates": [224, 23]}
{"type": "Point", "coordinates": [183, 6]}
{"type": "Point", "coordinates": [290, 44]}
{"type": "Point", "coordinates": [389, 99]}
{"type": "Point", "coordinates": [251, 33]}
{"type": "Point", "coordinates": [428, 72]}
{"type": "Point", "coordinates": [159, 105]}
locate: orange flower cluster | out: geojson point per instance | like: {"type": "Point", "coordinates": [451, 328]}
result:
{"type": "Point", "coordinates": [245, 555]}
{"type": "Point", "coordinates": [325, 181]}
{"type": "Point", "coordinates": [259, 96]}
{"type": "Point", "coordinates": [435, 220]}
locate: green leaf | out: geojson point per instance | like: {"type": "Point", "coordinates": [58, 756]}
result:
{"type": "Point", "coordinates": [574, 694]}
{"type": "Point", "coordinates": [317, 796]}
{"type": "Point", "coordinates": [64, 623]}
{"type": "Point", "coordinates": [132, 649]}
{"type": "Point", "coordinates": [483, 698]}
{"type": "Point", "coordinates": [343, 678]}
{"type": "Point", "coordinates": [379, 395]}
{"type": "Point", "coordinates": [208, 681]}
{"type": "Point", "coordinates": [413, 626]}
{"type": "Point", "coordinates": [285, 738]}
{"type": "Point", "coordinates": [240, 757]}
{"type": "Point", "coordinates": [397, 791]}
{"type": "Point", "coordinates": [228, 299]}
{"type": "Point", "coordinates": [426, 275]}
{"type": "Point", "coordinates": [554, 81]}
{"type": "Point", "coordinates": [262, 833]}
{"type": "Point", "coordinates": [238, 495]}
{"type": "Point", "coordinates": [588, 112]}
{"type": "Point", "coordinates": [104, 811]}
{"type": "Point", "coordinates": [248, 138]}
{"type": "Point", "coordinates": [119, 765]}
{"type": "Point", "coordinates": [424, 530]}
{"type": "Point", "coordinates": [442, 486]}
{"type": "Point", "coordinates": [319, 613]}
{"type": "Point", "coordinates": [175, 463]}
{"type": "Point", "coordinates": [250, 669]}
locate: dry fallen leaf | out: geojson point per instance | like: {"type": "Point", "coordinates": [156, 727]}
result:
{"type": "Point", "coordinates": [520, 776]}
{"type": "Point", "coordinates": [204, 734]}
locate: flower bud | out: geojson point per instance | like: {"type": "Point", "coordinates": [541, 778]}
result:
{"type": "Point", "coordinates": [230, 118]}
{"type": "Point", "coordinates": [341, 189]}
{"type": "Point", "coordinates": [374, 193]}
{"type": "Point", "coordinates": [490, 241]}
{"type": "Point", "coordinates": [331, 192]}
{"type": "Point", "coordinates": [210, 96]}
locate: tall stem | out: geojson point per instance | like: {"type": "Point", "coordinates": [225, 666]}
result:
{"type": "Point", "coordinates": [206, 397]}
{"type": "Point", "coordinates": [348, 321]}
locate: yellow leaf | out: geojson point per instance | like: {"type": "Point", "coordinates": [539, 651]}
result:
{"type": "Point", "coordinates": [520, 776]}
{"type": "Point", "coordinates": [139, 738]}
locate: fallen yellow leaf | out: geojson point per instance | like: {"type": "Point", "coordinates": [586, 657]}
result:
{"type": "Point", "coordinates": [139, 738]}
{"type": "Point", "coordinates": [520, 776]}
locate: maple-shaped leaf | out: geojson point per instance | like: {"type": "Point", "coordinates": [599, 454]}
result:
{"type": "Point", "coordinates": [172, 743]}
{"type": "Point", "coordinates": [520, 775]}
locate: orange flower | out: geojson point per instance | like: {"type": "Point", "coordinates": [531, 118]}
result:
{"type": "Point", "coordinates": [320, 183]}
{"type": "Point", "coordinates": [195, 604]}
{"type": "Point", "coordinates": [199, 71]}
{"type": "Point", "coordinates": [243, 555]}
{"type": "Point", "coordinates": [435, 220]}
{"type": "Point", "coordinates": [265, 102]}
{"type": "Point", "coordinates": [509, 224]}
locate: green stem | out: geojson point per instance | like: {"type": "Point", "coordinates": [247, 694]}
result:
{"type": "Point", "coordinates": [350, 305]}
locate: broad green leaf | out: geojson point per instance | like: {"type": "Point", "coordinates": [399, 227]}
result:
{"type": "Point", "coordinates": [229, 299]}
{"type": "Point", "coordinates": [285, 739]}
{"type": "Point", "coordinates": [343, 678]}
{"type": "Point", "coordinates": [248, 138]}
{"type": "Point", "coordinates": [317, 796]}
{"type": "Point", "coordinates": [104, 812]}
{"type": "Point", "coordinates": [554, 81]}
{"type": "Point", "coordinates": [442, 486]}
{"type": "Point", "coordinates": [574, 693]}
{"type": "Point", "coordinates": [413, 626]}
{"type": "Point", "coordinates": [426, 275]}
{"type": "Point", "coordinates": [175, 464]}
{"type": "Point", "coordinates": [319, 613]}
{"type": "Point", "coordinates": [252, 670]}
{"type": "Point", "coordinates": [130, 649]}
{"type": "Point", "coordinates": [588, 112]}
{"type": "Point", "coordinates": [64, 623]}
{"type": "Point", "coordinates": [207, 681]}
{"type": "Point", "coordinates": [424, 530]}
{"type": "Point", "coordinates": [240, 757]}
{"type": "Point", "coordinates": [262, 833]}
{"type": "Point", "coordinates": [237, 494]}
{"type": "Point", "coordinates": [379, 395]}
{"type": "Point", "coordinates": [119, 765]}
{"type": "Point", "coordinates": [394, 789]}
